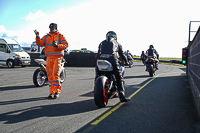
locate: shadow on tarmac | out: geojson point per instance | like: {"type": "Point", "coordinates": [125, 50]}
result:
{"type": "Point", "coordinates": [183, 69]}
{"type": "Point", "coordinates": [53, 110]}
{"type": "Point", "coordinates": [166, 101]}
{"type": "Point", "coordinates": [141, 76]}
{"type": "Point", "coordinates": [22, 100]}
{"type": "Point", "coordinates": [19, 87]}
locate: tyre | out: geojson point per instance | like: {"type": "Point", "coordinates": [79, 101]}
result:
{"type": "Point", "coordinates": [62, 76]}
{"type": "Point", "coordinates": [10, 63]}
{"type": "Point", "coordinates": [130, 65]}
{"type": "Point", "coordinates": [39, 77]}
{"type": "Point", "coordinates": [150, 69]}
{"type": "Point", "coordinates": [100, 93]}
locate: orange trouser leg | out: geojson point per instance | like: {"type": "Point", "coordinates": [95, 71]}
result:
{"type": "Point", "coordinates": [49, 65]}
{"type": "Point", "coordinates": [53, 68]}
{"type": "Point", "coordinates": [56, 75]}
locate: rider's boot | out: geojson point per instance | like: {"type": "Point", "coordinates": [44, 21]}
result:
{"type": "Point", "coordinates": [156, 66]}
{"type": "Point", "coordinates": [122, 96]}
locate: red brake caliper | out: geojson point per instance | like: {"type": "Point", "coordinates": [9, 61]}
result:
{"type": "Point", "coordinates": [105, 93]}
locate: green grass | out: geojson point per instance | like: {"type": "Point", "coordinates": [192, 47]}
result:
{"type": "Point", "coordinates": [167, 58]}
{"type": "Point", "coordinates": [164, 58]}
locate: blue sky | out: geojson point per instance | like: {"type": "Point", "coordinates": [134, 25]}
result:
{"type": "Point", "coordinates": [13, 12]}
{"type": "Point", "coordinates": [84, 23]}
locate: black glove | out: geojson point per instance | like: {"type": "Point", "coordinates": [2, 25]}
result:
{"type": "Point", "coordinates": [54, 43]}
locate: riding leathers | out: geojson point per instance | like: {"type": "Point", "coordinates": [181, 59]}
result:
{"type": "Point", "coordinates": [111, 50]}
{"type": "Point", "coordinates": [153, 53]}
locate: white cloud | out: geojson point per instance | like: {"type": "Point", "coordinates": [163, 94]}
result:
{"type": "Point", "coordinates": [35, 16]}
{"type": "Point", "coordinates": [137, 23]}
{"type": "Point", "coordinates": [2, 29]}
{"type": "Point", "coordinates": [7, 33]}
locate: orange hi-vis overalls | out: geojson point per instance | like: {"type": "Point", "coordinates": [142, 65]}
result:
{"type": "Point", "coordinates": [54, 56]}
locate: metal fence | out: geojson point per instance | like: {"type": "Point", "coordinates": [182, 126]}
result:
{"type": "Point", "coordinates": [193, 67]}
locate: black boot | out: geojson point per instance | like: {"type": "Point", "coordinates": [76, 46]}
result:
{"type": "Point", "coordinates": [122, 97]}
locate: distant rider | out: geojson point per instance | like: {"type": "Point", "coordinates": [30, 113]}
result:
{"type": "Point", "coordinates": [129, 55]}
{"type": "Point", "coordinates": [143, 57]}
{"type": "Point", "coordinates": [112, 49]}
{"type": "Point", "coordinates": [153, 53]}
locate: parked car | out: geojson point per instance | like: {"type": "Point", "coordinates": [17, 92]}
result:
{"type": "Point", "coordinates": [11, 53]}
{"type": "Point", "coordinates": [82, 51]}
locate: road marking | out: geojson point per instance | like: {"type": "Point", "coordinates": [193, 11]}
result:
{"type": "Point", "coordinates": [15, 84]}
{"type": "Point", "coordinates": [142, 87]}
{"type": "Point", "coordinates": [119, 105]}
{"type": "Point", "coordinates": [107, 114]}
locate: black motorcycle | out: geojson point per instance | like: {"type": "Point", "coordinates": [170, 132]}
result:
{"type": "Point", "coordinates": [106, 84]}
{"type": "Point", "coordinates": [130, 61]}
{"type": "Point", "coordinates": [143, 58]}
{"type": "Point", "coordinates": [151, 65]}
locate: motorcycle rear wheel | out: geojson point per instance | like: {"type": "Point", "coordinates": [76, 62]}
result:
{"type": "Point", "coordinates": [130, 64]}
{"type": "Point", "coordinates": [39, 77]}
{"type": "Point", "coordinates": [150, 69]}
{"type": "Point", "coordinates": [100, 91]}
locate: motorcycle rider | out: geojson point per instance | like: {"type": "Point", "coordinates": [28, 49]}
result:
{"type": "Point", "coordinates": [152, 52]}
{"type": "Point", "coordinates": [110, 50]}
{"type": "Point", "coordinates": [55, 44]}
{"type": "Point", "coordinates": [143, 57]}
{"type": "Point", "coordinates": [129, 56]}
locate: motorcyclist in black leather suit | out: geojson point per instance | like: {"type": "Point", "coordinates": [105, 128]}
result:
{"type": "Point", "coordinates": [152, 52]}
{"type": "Point", "coordinates": [110, 50]}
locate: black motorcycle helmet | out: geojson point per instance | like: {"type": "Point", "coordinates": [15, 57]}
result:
{"type": "Point", "coordinates": [151, 47]}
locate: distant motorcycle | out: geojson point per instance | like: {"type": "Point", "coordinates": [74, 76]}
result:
{"type": "Point", "coordinates": [143, 58]}
{"type": "Point", "coordinates": [130, 61]}
{"type": "Point", "coordinates": [151, 65]}
{"type": "Point", "coordinates": [106, 84]}
{"type": "Point", "coordinates": [40, 75]}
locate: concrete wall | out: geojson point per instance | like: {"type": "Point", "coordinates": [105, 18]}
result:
{"type": "Point", "coordinates": [193, 67]}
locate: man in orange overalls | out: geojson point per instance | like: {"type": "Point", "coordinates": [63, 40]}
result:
{"type": "Point", "coordinates": [54, 44]}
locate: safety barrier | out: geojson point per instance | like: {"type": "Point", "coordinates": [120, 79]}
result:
{"type": "Point", "coordinates": [80, 59]}
{"type": "Point", "coordinates": [72, 59]}
{"type": "Point", "coordinates": [193, 67]}
{"type": "Point", "coordinates": [84, 59]}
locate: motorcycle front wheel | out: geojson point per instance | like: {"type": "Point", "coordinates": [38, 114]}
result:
{"type": "Point", "coordinates": [39, 77]}
{"type": "Point", "coordinates": [100, 91]}
{"type": "Point", "coordinates": [62, 76]}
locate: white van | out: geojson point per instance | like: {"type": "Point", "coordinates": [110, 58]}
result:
{"type": "Point", "coordinates": [11, 54]}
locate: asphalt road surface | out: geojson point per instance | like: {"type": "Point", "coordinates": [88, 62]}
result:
{"type": "Point", "coordinates": [162, 104]}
